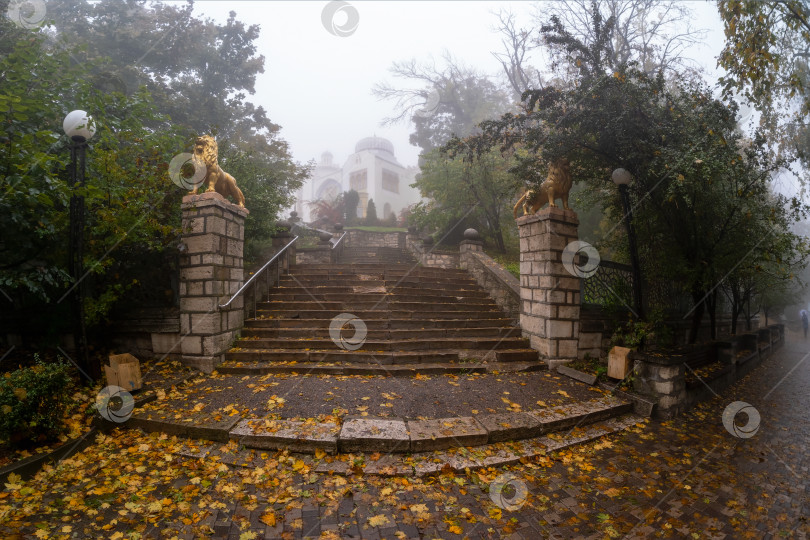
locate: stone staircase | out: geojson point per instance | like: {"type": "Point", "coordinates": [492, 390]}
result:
{"type": "Point", "coordinates": [417, 320]}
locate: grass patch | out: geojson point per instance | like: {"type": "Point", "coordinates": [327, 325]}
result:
{"type": "Point", "coordinates": [510, 261]}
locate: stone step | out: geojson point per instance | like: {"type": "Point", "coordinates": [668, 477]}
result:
{"type": "Point", "coordinates": [384, 324]}
{"type": "Point", "coordinates": [335, 294]}
{"type": "Point", "coordinates": [375, 267]}
{"type": "Point", "coordinates": [381, 357]}
{"type": "Point", "coordinates": [380, 314]}
{"type": "Point", "coordinates": [417, 344]}
{"type": "Point", "coordinates": [347, 368]}
{"type": "Point", "coordinates": [399, 435]}
{"type": "Point", "coordinates": [421, 333]}
{"type": "Point", "coordinates": [374, 298]}
{"type": "Point", "coordinates": [342, 368]}
{"type": "Point", "coordinates": [308, 280]}
{"type": "Point", "coordinates": [385, 303]}
{"type": "Point", "coordinates": [421, 464]}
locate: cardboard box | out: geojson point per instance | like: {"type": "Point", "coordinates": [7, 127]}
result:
{"type": "Point", "coordinates": [124, 371]}
{"type": "Point", "coordinates": [619, 364]}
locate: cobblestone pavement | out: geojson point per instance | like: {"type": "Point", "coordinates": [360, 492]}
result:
{"type": "Point", "coordinates": [686, 478]}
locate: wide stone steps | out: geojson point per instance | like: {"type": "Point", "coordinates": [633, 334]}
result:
{"type": "Point", "coordinates": [413, 316]}
{"type": "Point", "coordinates": [370, 315]}
{"type": "Point", "coordinates": [364, 280]}
{"type": "Point", "coordinates": [403, 370]}
{"type": "Point", "coordinates": [421, 333]}
{"type": "Point", "coordinates": [380, 357]}
{"type": "Point", "coordinates": [397, 435]}
{"type": "Point", "coordinates": [370, 344]}
{"type": "Point", "coordinates": [371, 293]}
{"type": "Point", "coordinates": [381, 304]}
{"type": "Point", "coordinates": [385, 324]}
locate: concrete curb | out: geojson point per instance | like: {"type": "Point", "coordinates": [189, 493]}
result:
{"type": "Point", "coordinates": [396, 435]}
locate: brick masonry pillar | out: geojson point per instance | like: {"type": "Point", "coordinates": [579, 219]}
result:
{"type": "Point", "coordinates": [550, 302]}
{"type": "Point", "coordinates": [211, 271]}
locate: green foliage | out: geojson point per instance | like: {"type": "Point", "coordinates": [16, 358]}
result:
{"type": "Point", "coordinates": [371, 214]}
{"type": "Point", "coordinates": [33, 400]}
{"type": "Point", "coordinates": [132, 208]}
{"type": "Point", "coordinates": [129, 87]}
{"type": "Point", "coordinates": [268, 182]}
{"type": "Point", "coordinates": [701, 194]}
{"type": "Point", "coordinates": [765, 50]}
{"type": "Point", "coordinates": [650, 333]}
{"type": "Point", "coordinates": [466, 194]}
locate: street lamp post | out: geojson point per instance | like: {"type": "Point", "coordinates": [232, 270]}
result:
{"type": "Point", "coordinates": [80, 128]}
{"type": "Point", "coordinates": [622, 178]}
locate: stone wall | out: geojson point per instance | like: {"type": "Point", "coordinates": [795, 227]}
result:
{"type": "Point", "coordinates": [549, 293]}
{"type": "Point", "coordinates": [663, 377]}
{"type": "Point", "coordinates": [211, 271]}
{"type": "Point", "coordinates": [375, 239]}
{"type": "Point", "coordinates": [501, 285]}
{"type": "Point", "coordinates": [313, 255]}
{"type": "Point", "coordinates": [430, 255]}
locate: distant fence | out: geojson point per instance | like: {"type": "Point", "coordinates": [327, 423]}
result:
{"type": "Point", "coordinates": [611, 286]}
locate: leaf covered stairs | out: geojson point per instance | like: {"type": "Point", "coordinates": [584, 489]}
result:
{"type": "Point", "coordinates": [400, 319]}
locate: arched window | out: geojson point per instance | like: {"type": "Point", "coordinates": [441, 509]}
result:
{"type": "Point", "coordinates": [328, 190]}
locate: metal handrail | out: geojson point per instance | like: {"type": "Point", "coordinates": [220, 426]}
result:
{"type": "Point", "coordinates": [335, 255]}
{"type": "Point", "coordinates": [257, 274]}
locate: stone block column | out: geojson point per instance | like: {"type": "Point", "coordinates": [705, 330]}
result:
{"type": "Point", "coordinates": [549, 294]}
{"type": "Point", "coordinates": [211, 271]}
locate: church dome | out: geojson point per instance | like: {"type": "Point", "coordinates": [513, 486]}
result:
{"type": "Point", "coordinates": [375, 144]}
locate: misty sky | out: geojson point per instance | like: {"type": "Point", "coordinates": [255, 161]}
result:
{"type": "Point", "coordinates": [317, 86]}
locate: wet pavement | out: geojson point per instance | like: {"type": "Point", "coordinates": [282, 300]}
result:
{"type": "Point", "coordinates": [686, 478]}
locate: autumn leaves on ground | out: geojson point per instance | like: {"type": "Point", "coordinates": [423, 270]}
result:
{"type": "Point", "coordinates": [683, 478]}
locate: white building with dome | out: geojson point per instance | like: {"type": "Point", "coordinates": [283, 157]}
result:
{"type": "Point", "coordinates": [372, 171]}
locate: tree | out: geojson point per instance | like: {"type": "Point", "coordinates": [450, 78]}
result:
{"type": "Point", "coordinates": [766, 50]}
{"type": "Point", "coordinates": [447, 101]}
{"type": "Point", "coordinates": [650, 33]}
{"type": "Point", "coordinates": [475, 193]}
{"type": "Point", "coordinates": [351, 200]}
{"type": "Point", "coordinates": [132, 206]}
{"type": "Point", "coordinates": [695, 191]}
{"type": "Point", "coordinates": [766, 57]}
{"type": "Point", "coordinates": [371, 213]}
{"type": "Point", "coordinates": [329, 211]}
{"type": "Point", "coordinates": [517, 44]}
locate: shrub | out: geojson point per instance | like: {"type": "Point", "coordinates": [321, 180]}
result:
{"type": "Point", "coordinates": [32, 401]}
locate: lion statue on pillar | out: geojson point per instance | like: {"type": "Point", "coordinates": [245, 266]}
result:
{"type": "Point", "coordinates": [205, 155]}
{"type": "Point", "coordinates": [557, 185]}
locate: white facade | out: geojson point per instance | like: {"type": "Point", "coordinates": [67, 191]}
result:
{"type": "Point", "coordinates": [372, 170]}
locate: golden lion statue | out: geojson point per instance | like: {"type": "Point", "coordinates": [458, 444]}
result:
{"type": "Point", "coordinates": [556, 186]}
{"type": "Point", "coordinates": [205, 155]}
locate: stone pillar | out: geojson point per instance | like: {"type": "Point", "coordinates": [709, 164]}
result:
{"type": "Point", "coordinates": [211, 271]}
{"type": "Point", "coordinates": [549, 293]}
{"type": "Point", "coordinates": [472, 242]}
{"type": "Point", "coordinates": [282, 237]}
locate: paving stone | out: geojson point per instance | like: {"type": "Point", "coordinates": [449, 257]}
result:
{"type": "Point", "coordinates": [509, 426]}
{"type": "Point", "coordinates": [189, 426]}
{"type": "Point", "coordinates": [444, 433]}
{"type": "Point", "coordinates": [291, 435]}
{"type": "Point", "coordinates": [365, 434]}
{"type": "Point", "coordinates": [575, 374]}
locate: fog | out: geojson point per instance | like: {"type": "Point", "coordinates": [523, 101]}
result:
{"type": "Point", "coordinates": [317, 85]}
